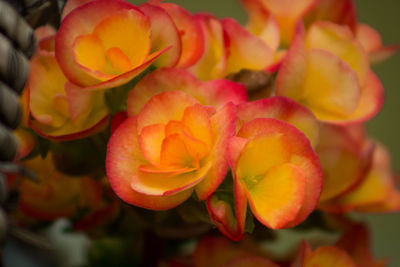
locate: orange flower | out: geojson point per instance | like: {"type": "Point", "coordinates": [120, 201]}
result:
{"type": "Point", "coordinates": [172, 144]}
{"type": "Point", "coordinates": [58, 109]}
{"type": "Point", "coordinates": [104, 44]}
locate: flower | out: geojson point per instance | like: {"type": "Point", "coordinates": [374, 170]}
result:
{"type": "Point", "coordinates": [172, 143]}
{"type": "Point", "coordinates": [276, 170]}
{"type": "Point", "coordinates": [229, 48]}
{"type": "Point", "coordinates": [371, 189]}
{"type": "Point", "coordinates": [351, 250]}
{"type": "Point", "coordinates": [58, 109]}
{"type": "Point", "coordinates": [218, 252]}
{"type": "Point", "coordinates": [56, 195]}
{"type": "Point", "coordinates": [327, 70]}
{"type": "Point", "coordinates": [104, 44]}
{"type": "Point", "coordinates": [276, 111]}
{"type": "Point", "coordinates": [372, 43]}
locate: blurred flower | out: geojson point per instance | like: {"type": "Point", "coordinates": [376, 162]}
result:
{"type": "Point", "coordinates": [58, 109]}
{"type": "Point", "coordinates": [351, 250]}
{"type": "Point", "coordinates": [328, 71]}
{"type": "Point", "coordinates": [56, 195]}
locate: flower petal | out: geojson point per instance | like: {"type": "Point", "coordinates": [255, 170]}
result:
{"type": "Point", "coordinates": [276, 198]}
{"type": "Point", "coordinates": [122, 163]}
{"type": "Point", "coordinates": [247, 51]}
{"type": "Point", "coordinates": [223, 124]}
{"type": "Point", "coordinates": [281, 108]}
{"type": "Point", "coordinates": [190, 33]}
{"type": "Point", "coordinates": [164, 34]}
{"type": "Point", "coordinates": [213, 63]}
{"type": "Point", "coordinates": [340, 41]}
{"type": "Point", "coordinates": [164, 107]}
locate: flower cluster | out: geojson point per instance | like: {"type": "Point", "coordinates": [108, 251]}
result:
{"type": "Point", "coordinates": [264, 119]}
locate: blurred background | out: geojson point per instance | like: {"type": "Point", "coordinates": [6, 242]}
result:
{"type": "Point", "coordinates": [384, 16]}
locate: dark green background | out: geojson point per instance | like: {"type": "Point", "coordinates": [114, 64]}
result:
{"type": "Point", "coordinates": [384, 15]}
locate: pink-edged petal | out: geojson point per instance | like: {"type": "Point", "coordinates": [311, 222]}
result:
{"type": "Point", "coordinates": [71, 5]}
{"type": "Point", "coordinates": [302, 155]}
{"type": "Point", "coordinates": [215, 93]}
{"type": "Point", "coordinates": [222, 214]}
{"type": "Point", "coordinates": [220, 92]}
{"type": "Point", "coordinates": [128, 76]}
{"type": "Point", "coordinates": [122, 163]}
{"type": "Point", "coordinates": [281, 108]}
{"type": "Point", "coordinates": [160, 81]}
{"type": "Point", "coordinates": [213, 63]}
{"type": "Point", "coordinates": [319, 80]}
{"type": "Point", "coordinates": [150, 142]}
{"type": "Point", "coordinates": [372, 43]}
{"type": "Point", "coordinates": [372, 97]}
{"type": "Point", "coordinates": [329, 254]}
{"type": "Point", "coordinates": [344, 160]}
{"type": "Point", "coordinates": [247, 51]}
{"type": "Point", "coordinates": [262, 23]}
{"type": "Point", "coordinates": [117, 120]}
{"type": "Point", "coordinates": [70, 133]}
{"type": "Point", "coordinates": [276, 198]}
{"type": "Point", "coordinates": [45, 83]}
{"type": "Point", "coordinates": [164, 107]}
{"type": "Point", "coordinates": [288, 13]}
{"type": "Point", "coordinates": [190, 33]}
{"type": "Point", "coordinates": [341, 12]}
{"type": "Point", "coordinates": [164, 34]}
{"type": "Point", "coordinates": [164, 184]}
{"type": "Point", "coordinates": [223, 125]}
{"type": "Point", "coordinates": [82, 21]}
{"type": "Point", "coordinates": [340, 41]}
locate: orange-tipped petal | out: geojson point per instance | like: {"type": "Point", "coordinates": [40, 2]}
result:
{"type": "Point", "coordinates": [164, 34]}
{"type": "Point", "coordinates": [150, 142]}
{"type": "Point", "coordinates": [320, 81]}
{"type": "Point", "coordinates": [281, 108]}
{"type": "Point", "coordinates": [247, 51]}
{"type": "Point", "coordinates": [341, 12]}
{"type": "Point", "coordinates": [71, 5]}
{"type": "Point", "coordinates": [343, 159]}
{"type": "Point", "coordinates": [262, 23]}
{"type": "Point", "coordinates": [159, 184]}
{"type": "Point", "coordinates": [162, 80]}
{"type": "Point", "coordinates": [83, 21]}
{"type": "Point", "coordinates": [223, 125]}
{"type": "Point", "coordinates": [190, 33]}
{"type": "Point", "coordinates": [288, 13]}
{"type": "Point", "coordinates": [371, 101]}
{"type": "Point", "coordinates": [164, 107]}
{"type": "Point", "coordinates": [340, 41]}
{"type": "Point", "coordinates": [298, 151]}
{"type": "Point", "coordinates": [122, 163]}
{"type": "Point", "coordinates": [276, 198]}
{"type": "Point", "coordinates": [26, 143]}
{"type": "Point", "coordinates": [372, 43]}
{"type": "Point", "coordinates": [213, 63]}
{"type": "Point", "coordinates": [222, 214]}
{"type": "Point", "coordinates": [329, 257]}
{"type": "Point", "coordinates": [215, 93]}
